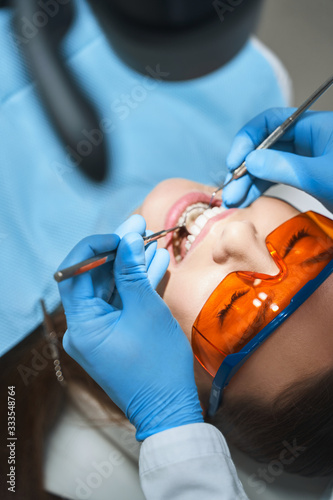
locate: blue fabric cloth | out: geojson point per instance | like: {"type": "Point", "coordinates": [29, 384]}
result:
{"type": "Point", "coordinates": [169, 129]}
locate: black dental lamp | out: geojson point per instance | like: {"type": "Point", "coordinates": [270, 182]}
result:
{"type": "Point", "coordinates": [166, 39]}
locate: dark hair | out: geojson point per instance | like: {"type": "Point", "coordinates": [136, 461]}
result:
{"type": "Point", "coordinates": [296, 429]}
{"type": "Point", "coordinates": [39, 400]}
{"type": "Point", "coordinates": [303, 413]}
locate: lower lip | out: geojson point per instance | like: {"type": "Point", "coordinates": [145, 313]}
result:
{"type": "Point", "coordinates": [207, 228]}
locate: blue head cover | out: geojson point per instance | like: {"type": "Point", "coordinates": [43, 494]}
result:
{"type": "Point", "coordinates": [155, 129]}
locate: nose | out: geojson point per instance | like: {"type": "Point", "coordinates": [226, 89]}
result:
{"type": "Point", "coordinates": [239, 245]}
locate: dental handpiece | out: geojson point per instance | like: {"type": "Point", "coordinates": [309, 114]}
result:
{"type": "Point", "coordinates": [278, 132]}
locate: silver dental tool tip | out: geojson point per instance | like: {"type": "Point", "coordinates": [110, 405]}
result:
{"type": "Point", "coordinates": [160, 234]}
{"type": "Point", "coordinates": [278, 132]}
{"type": "Point", "coordinates": [102, 258]}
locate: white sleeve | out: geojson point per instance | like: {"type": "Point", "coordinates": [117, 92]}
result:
{"type": "Point", "coordinates": [190, 462]}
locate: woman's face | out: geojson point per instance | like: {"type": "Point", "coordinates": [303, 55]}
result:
{"type": "Point", "coordinates": [230, 240]}
{"type": "Point", "coordinates": [234, 240]}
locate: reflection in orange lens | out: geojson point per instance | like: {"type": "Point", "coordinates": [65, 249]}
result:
{"type": "Point", "coordinates": [245, 302]}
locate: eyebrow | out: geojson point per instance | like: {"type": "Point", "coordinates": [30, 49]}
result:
{"type": "Point", "coordinates": [235, 296]}
{"type": "Point", "coordinates": [320, 257]}
{"type": "Point", "coordinates": [261, 314]}
{"type": "Point", "coordinates": [295, 238]}
{"type": "Point", "coordinates": [258, 320]}
{"type": "Point", "coordinates": [256, 323]}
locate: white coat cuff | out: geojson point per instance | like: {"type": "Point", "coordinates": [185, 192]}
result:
{"type": "Point", "coordinates": [194, 454]}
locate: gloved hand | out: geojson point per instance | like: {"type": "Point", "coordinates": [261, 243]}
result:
{"type": "Point", "coordinates": [135, 350]}
{"type": "Point", "coordinates": [302, 158]}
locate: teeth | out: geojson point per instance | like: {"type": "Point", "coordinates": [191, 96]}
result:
{"type": "Point", "coordinates": [217, 210]}
{"type": "Point", "coordinates": [199, 217]}
{"type": "Point", "coordinates": [209, 213]}
{"type": "Point", "coordinates": [192, 212]}
{"type": "Point", "coordinates": [194, 229]}
{"type": "Point", "coordinates": [203, 218]}
{"type": "Point", "coordinates": [201, 221]}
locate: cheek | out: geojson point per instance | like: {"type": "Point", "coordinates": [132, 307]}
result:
{"type": "Point", "coordinates": [268, 213]}
{"type": "Point", "coordinates": [185, 295]}
{"type": "Point", "coordinates": [179, 297]}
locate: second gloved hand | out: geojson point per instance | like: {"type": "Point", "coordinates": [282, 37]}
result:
{"type": "Point", "coordinates": [302, 158]}
{"type": "Point", "coordinates": [135, 351]}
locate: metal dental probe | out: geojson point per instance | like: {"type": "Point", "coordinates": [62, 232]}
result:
{"type": "Point", "coordinates": [103, 258]}
{"type": "Point", "coordinates": [277, 133]}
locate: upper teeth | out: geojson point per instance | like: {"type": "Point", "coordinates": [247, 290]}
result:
{"type": "Point", "coordinates": [195, 226]}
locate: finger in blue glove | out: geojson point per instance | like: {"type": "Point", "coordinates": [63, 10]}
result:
{"type": "Point", "coordinates": [133, 353]}
{"type": "Point", "coordinates": [301, 158]}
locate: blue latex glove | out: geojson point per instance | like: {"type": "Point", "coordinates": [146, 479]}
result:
{"type": "Point", "coordinates": [136, 351]}
{"type": "Point", "coordinates": [302, 158]}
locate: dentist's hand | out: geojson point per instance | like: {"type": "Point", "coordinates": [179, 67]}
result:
{"type": "Point", "coordinates": [302, 158]}
{"type": "Point", "coordinates": [131, 345]}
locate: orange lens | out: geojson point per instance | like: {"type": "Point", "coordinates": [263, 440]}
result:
{"type": "Point", "coordinates": [245, 302]}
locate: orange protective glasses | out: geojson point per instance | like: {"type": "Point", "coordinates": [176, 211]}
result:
{"type": "Point", "coordinates": [245, 302]}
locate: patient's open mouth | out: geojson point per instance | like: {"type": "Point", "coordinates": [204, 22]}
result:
{"type": "Point", "coordinates": [199, 219]}
{"type": "Point", "coordinates": [196, 216]}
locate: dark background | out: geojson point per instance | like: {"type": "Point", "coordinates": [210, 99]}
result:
{"type": "Point", "coordinates": [300, 32]}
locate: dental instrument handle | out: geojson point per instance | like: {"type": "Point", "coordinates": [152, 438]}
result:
{"type": "Point", "coordinates": [102, 258]}
{"type": "Point", "coordinates": [84, 266]}
{"type": "Point", "coordinates": [269, 141]}
{"type": "Point", "coordinates": [279, 131]}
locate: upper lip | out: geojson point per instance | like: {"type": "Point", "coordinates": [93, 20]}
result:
{"type": "Point", "coordinates": [180, 206]}
{"type": "Point", "coordinates": [185, 201]}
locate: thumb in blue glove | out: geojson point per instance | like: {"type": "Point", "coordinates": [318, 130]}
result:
{"type": "Point", "coordinates": [166, 394]}
{"type": "Point", "coordinates": [137, 353]}
{"type": "Point", "coordinates": [302, 158]}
